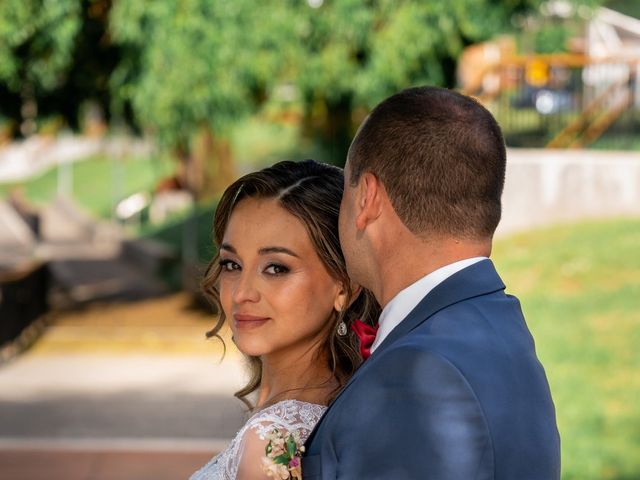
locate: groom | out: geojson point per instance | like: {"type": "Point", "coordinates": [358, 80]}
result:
{"type": "Point", "coordinates": [453, 389]}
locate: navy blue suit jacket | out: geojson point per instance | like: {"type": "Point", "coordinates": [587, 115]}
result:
{"type": "Point", "coordinates": [455, 392]}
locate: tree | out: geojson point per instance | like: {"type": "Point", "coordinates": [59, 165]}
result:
{"type": "Point", "coordinates": [191, 68]}
{"type": "Point", "coordinates": [194, 67]}
{"type": "Point", "coordinates": [355, 53]}
{"type": "Point", "coordinates": [36, 50]}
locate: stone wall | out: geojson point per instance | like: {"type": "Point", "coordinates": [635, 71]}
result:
{"type": "Point", "coordinates": [544, 187]}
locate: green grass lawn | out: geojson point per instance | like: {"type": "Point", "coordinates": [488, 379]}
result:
{"type": "Point", "coordinates": [580, 291]}
{"type": "Point", "coordinates": [97, 182]}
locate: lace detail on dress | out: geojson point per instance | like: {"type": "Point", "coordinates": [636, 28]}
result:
{"type": "Point", "coordinates": [291, 415]}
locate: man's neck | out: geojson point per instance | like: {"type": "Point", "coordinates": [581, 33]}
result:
{"type": "Point", "coordinates": [402, 266]}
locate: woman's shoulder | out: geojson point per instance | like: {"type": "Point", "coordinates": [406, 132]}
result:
{"type": "Point", "coordinates": [248, 446]}
{"type": "Point", "coordinates": [291, 415]}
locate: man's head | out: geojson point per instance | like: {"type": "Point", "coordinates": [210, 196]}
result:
{"type": "Point", "coordinates": [439, 158]}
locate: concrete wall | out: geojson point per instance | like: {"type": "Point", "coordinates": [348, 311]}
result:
{"type": "Point", "coordinates": [544, 187]}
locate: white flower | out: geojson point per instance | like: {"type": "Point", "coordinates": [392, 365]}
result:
{"type": "Point", "coordinates": [277, 447]}
{"type": "Point", "coordinates": [274, 470]}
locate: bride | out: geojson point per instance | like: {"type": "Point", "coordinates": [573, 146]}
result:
{"type": "Point", "coordinates": [280, 281]}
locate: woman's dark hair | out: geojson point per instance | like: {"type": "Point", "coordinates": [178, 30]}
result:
{"type": "Point", "coordinates": [311, 192]}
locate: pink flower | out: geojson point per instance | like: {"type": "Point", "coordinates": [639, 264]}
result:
{"type": "Point", "coordinates": [295, 468]}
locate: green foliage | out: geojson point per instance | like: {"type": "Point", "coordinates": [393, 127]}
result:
{"type": "Point", "coordinates": [198, 63]}
{"type": "Point", "coordinates": [36, 42]}
{"type": "Point", "coordinates": [196, 225]}
{"type": "Point", "coordinates": [627, 7]}
{"type": "Point", "coordinates": [257, 142]}
{"type": "Point", "coordinates": [580, 290]}
{"type": "Point", "coordinates": [195, 62]}
{"type": "Point", "coordinates": [415, 42]}
{"type": "Point", "coordinates": [352, 54]}
{"type": "Point", "coordinates": [552, 38]}
{"type": "Point", "coordinates": [369, 50]}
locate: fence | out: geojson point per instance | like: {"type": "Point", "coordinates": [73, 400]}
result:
{"type": "Point", "coordinates": [565, 101]}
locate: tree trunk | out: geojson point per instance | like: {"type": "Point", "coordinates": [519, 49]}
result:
{"type": "Point", "coordinates": [329, 125]}
{"type": "Point", "coordinates": [28, 110]}
{"type": "Point", "coordinates": [214, 158]}
{"type": "Point", "coordinates": [338, 129]}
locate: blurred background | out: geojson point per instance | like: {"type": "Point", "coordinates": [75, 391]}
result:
{"type": "Point", "coordinates": [122, 121]}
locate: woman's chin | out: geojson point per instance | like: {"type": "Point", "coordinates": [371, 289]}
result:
{"type": "Point", "coordinates": [250, 349]}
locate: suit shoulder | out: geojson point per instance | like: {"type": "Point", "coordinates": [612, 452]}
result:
{"type": "Point", "coordinates": [423, 367]}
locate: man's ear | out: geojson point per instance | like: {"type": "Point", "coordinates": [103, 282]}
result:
{"type": "Point", "coordinates": [370, 201]}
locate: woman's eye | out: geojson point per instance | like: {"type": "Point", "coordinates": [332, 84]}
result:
{"type": "Point", "coordinates": [276, 269]}
{"type": "Point", "coordinates": [229, 265]}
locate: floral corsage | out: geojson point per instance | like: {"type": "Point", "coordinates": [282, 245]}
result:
{"type": "Point", "coordinates": [282, 455]}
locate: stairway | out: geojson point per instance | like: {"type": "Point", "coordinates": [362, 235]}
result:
{"type": "Point", "coordinates": [596, 117]}
{"type": "Point", "coordinates": [90, 260]}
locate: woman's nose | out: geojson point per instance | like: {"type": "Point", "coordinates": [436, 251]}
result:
{"type": "Point", "coordinates": [245, 289]}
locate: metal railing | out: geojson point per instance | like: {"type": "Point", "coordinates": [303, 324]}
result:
{"type": "Point", "coordinates": [565, 101]}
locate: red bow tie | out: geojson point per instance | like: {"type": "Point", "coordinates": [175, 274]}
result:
{"type": "Point", "coordinates": [367, 335]}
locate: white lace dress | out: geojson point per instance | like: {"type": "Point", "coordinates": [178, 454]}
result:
{"type": "Point", "coordinates": [292, 415]}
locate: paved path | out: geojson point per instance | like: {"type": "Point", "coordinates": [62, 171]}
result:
{"type": "Point", "coordinates": [129, 417]}
{"type": "Point", "coordinates": [76, 396]}
{"type": "Point", "coordinates": [118, 392]}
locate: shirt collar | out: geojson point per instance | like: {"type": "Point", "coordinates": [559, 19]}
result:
{"type": "Point", "coordinates": [406, 300]}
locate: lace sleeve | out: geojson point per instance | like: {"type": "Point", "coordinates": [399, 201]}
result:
{"type": "Point", "coordinates": [251, 452]}
{"type": "Point", "coordinates": [289, 416]}
{"type": "Point", "coordinates": [242, 459]}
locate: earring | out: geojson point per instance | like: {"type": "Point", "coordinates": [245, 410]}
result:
{"type": "Point", "coordinates": [342, 329]}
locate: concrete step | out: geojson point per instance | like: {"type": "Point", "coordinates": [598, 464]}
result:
{"type": "Point", "coordinates": [89, 280]}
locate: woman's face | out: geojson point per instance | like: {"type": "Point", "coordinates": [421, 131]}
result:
{"type": "Point", "coordinates": [274, 289]}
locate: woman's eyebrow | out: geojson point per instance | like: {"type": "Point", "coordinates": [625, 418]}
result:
{"type": "Point", "coordinates": [267, 250]}
{"type": "Point", "coordinates": [263, 251]}
{"type": "Point", "coordinates": [228, 247]}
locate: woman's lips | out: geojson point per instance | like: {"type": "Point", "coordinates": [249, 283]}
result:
{"type": "Point", "coordinates": [246, 321]}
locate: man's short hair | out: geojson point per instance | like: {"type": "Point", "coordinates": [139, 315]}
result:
{"type": "Point", "coordinates": [441, 158]}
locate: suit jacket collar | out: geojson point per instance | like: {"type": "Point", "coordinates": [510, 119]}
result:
{"type": "Point", "coordinates": [478, 279]}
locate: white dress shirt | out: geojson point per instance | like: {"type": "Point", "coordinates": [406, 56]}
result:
{"type": "Point", "coordinates": [406, 300]}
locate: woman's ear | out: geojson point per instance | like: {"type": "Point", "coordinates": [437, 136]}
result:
{"type": "Point", "coordinates": [343, 301]}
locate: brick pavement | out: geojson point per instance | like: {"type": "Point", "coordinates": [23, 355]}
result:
{"type": "Point", "coordinates": [98, 465]}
